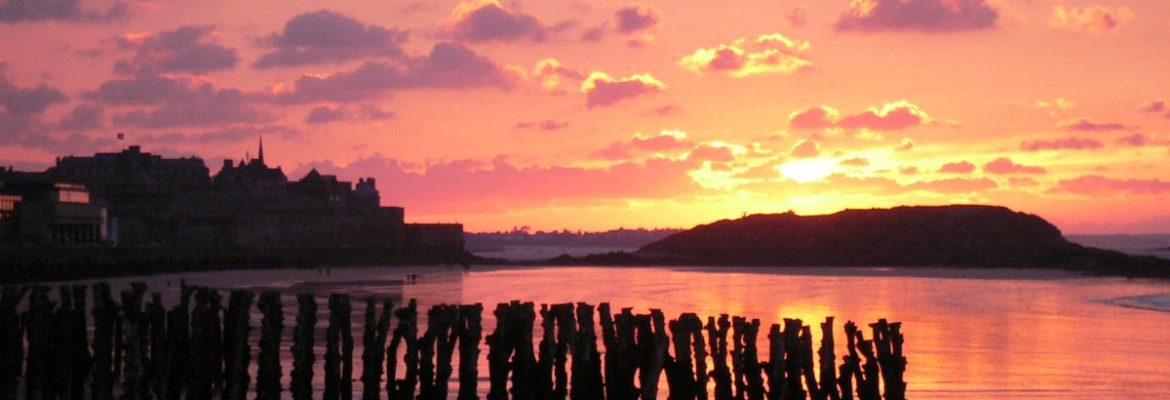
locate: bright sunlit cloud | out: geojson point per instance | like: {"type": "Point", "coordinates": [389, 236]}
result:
{"type": "Point", "coordinates": [807, 170]}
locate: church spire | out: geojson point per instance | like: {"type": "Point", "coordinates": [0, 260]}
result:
{"type": "Point", "coordinates": [261, 155]}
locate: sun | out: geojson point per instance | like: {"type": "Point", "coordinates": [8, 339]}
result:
{"type": "Point", "coordinates": [807, 170]}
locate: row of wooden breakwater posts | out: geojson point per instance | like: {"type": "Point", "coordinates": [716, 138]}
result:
{"type": "Point", "coordinates": [198, 350]}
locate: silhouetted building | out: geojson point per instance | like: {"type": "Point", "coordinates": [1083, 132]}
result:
{"type": "Point", "coordinates": [34, 208]}
{"type": "Point", "coordinates": [157, 201]}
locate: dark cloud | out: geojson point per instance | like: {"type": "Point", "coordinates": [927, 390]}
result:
{"type": "Point", "coordinates": [634, 19]}
{"type": "Point", "coordinates": [1068, 143]}
{"type": "Point", "coordinates": [482, 21]}
{"type": "Point", "coordinates": [546, 125]}
{"type": "Point", "coordinates": [218, 107]}
{"type": "Point", "coordinates": [185, 49]}
{"type": "Point", "coordinates": [326, 114]}
{"type": "Point", "coordinates": [17, 11]}
{"type": "Point", "coordinates": [448, 66]}
{"type": "Point", "coordinates": [918, 15]}
{"type": "Point", "coordinates": [84, 117]}
{"type": "Point", "coordinates": [325, 36]}
{"type": "Point", "coordinates": [1155, 106]}
{"type": "Point", "coordinates": [1088, 125]}
{"type": "Point", "coordinates": [594, 34]}
{"type": "Point", "coordinates": [602, 90]}
{"type": "Point", "coordinates": [28, 101]}
{"type": "Point", "coordinates": [148, 89]}
{"type": "Point", "coordinates": [1004, 166]}
{"type": "Point", "coordinates": [669, 109]}
{"type": "Point", "coordinates": [665, 141]}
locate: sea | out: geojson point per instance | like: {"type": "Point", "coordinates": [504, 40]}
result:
{"type": "Point", "coordinates": [969, 333]}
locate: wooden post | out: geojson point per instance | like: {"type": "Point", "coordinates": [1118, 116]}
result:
{"type": "Point", "coordinates": [751, 361]}
{"type": "Point", "coordinates": [739, 377]}
{"type": "Point", "coordinates": [828, 361]}
{"type": "Point", "coordinates": [586, 377]}
{"type": "Point", "coordinates": [407, 332]}
{"type": "Point", "coordinates": [179, 345]}
{"type": "Point", "coordinates": [499, 352]}
{"type": "Point", "coordinates": [215, 344]}
{"type": "Point", "coordinates": [867, 385]}
{"type": "Point", "coordinates": [566, 334]}
{"type": "Point", "coordinates": [792, 360]}
{"type": "Point", "coordinates": [774, 368]}
{"type": "Point", "coordinates": [850, 365]}
{"type": "Point", "coordinates": [374, 347]}
{"type": "Point", "coordinates": [892, 364]}
{"type": "Point", "coordinates": [38, 322]}
{"type": "Point", "coordinates": [470, 330]}
{"type": "Point", "coordinates": [680, 374]}
{"type": "Point", "coordinates": [136, 332]}
{"type": "Point", "coordinates": [700, 348]}
{"type": "Point", "coordinates": [721, 374]}
{"type": "Point", "coordinates": [156, 372]}
{"type": "Point", "coordinates": [237, 352]}
{"type": "Point", "coordinates": [302, 348]}
{"type": "Point", "coordinates": [202, 335]}
{"type": "Point", "coordinates": [524, 360]}
{"type": "Point", "coordinates": [447, 318]}
{"type": "Point", "coordinates": [806, 366]}
{"type": "Point", "coordinates": [105, 312]}
{"type": "Point", "coordinates": [339, 350]}
{"type": "Point", "coordinates": [269, 371]}
{"type": "Point", "coordinates": [11, 341]}
{"type": "Point", "coordinates": [652, 346]}
{"type": "Point", "coordinates": [543, 383]}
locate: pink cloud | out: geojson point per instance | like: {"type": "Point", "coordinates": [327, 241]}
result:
{"type": "Point", "coordinates": [954, 185]}
{"type": "Point", "coordinates": [1091, 19]}
{"type": "Point", "coordinates": [1155, 106]}
{"type": "Point", "coordinates": [1068, 143]}
{"type": "Point", "coordinates": [1099, 186]}
{"type": "Point", "coordinates": [961, 167]}
{"type": "Point", "coordinates": [1022, 181]}
{"type": "Point", "coordinates": [602, 90]}
{"type": "Point", "coordinates": [1089, 125]}
{"type": "Point", "coordinates": [16, 11]}
{"type": "Point", "coordinates": [918, 15]}
{"type": "Point", "coordinates": [707, 152]}
{"type": "Point", "coordinates": [1004, 165]}
{"type": "Point", "coordinates": [806, 149]}
{"type": "Point", "coordinates": [770, 53]}
{"type": "Point", "coordinates": [473, 186]}
{"type": "Point", "coordinates": [546, 125]}
{"type": "Point", "coordinates": [891, 116]}
{"type": "Point", "coordinates": [488, 20]}
{"type": "Point", "coordinates": [1141, 140]}
{"type": "Point", "coordinates": [185, 49]}
{"type": "Point", "coordinates": [664, 141]}
{"type": "Point", "coordinates": [636, 18]}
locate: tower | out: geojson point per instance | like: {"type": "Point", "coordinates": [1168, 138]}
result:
{"type": "Point", "coordinates": [261, 155]}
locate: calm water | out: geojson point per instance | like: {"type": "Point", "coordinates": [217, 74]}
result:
{"type": "Point", "coordinates": [988, 334]}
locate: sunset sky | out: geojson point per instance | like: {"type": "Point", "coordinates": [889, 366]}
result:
{"type": "Point", "coordinates": [598, 114]}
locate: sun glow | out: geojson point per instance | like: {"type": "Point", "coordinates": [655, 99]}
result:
{"type": "Point", "coordinates": [807, 170]}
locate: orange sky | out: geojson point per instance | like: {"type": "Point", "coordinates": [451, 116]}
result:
{"type": "Point", "coordinates": [603, 114]}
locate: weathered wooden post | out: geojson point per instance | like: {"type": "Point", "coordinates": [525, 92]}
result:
{"type": "Point", "coordinates": [38, 323]}
{"type": "Point", "coordinates": [721, 374]}
{"type": "Point", "coordinates": [11, 341]}
{"type": "Point", "coordinates": [793, 361]}
{"type": "Point", "coordinates": [680, 371]}
{"type": "Point", "coordinates": [156, 322]}
{"type": "Point", "coordinates": [620, 361]}
{"type": "Point", "coordinates": [374, 347]}
{"type": "Point", "coordinates": [470, 330]}
{"type": "Point", "coordinates": [867, 385]}
{"type": "Point", "coordinates": [652, 346]}
{"type": "Point", "coordinates": [889, 355]}
{"type": "Point", "coordinates": [753, 373]}
{"type": "Point", "coordinates": [774, 368]}
{"type": "Point", "coordinates": [566, 334]}
{"type": "Point", "coordinates": [806, 364]}
{"type": "Point", "coordinates": [851, 363]}
{"type": "Point", "coordinates": [237, 352]}
{"type": "Point", "coordinates": [426, 355]}
{"type": "Point", "coordinates": [524, 360]}
{"type": "Point", "coordinates": [586, 377]}
{"type": "Point", "coordinates": [446, 318]}
{"type": "Point", "coordinates": [406, 332]}
{"type": "Point", "coordinates": [268, 372]}
{"type": "Point", "coordinates": [202, 359]}
{"type": "Point", "coordinates": [499, 353]}
{"type": "Point", "coordinates": [302, 348]}
{"type": "Point", "coordinates": [136, 335]}
{"type": "Point", "coordinates": [339, 350]}
{"type": "Point", "coordinates": [105, 313]}
{"type": "Point", "coordinates": [828, 361]}
{"type": "Point", "coordinates": [543, 382]}
{"type": "Point", "coordinates": [179, 345]}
